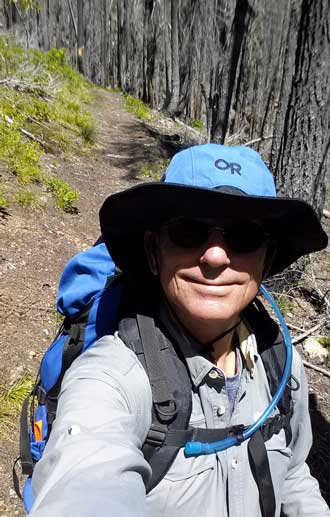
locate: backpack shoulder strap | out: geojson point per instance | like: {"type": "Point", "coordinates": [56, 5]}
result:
{"type": "Point", "coordinates": [272, 350]}
{"type": "Point", "coordinates": [171, 392]}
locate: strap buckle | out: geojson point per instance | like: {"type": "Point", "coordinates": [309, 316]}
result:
{"type": "Point", "coordinates": [237, 431]}
{"type": "Point", "coordinates": [155, 437]}
{"type": "Point", "coordinates": [41, 394]}
{"type": "Point", "coordinates": [166, 411]}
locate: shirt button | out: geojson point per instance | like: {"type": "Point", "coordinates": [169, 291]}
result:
{"type": "Point", "coordinates": [213, 374]}
{"type": "Point", "coordinates": [234, 463]}
{"type": "Point", "coordinates": [221, 410]}
{"type": "Point", "coordinates": [73, 430]}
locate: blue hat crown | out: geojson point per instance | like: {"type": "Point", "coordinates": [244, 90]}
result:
{"type": "Point", "coordinates": [215, 166]}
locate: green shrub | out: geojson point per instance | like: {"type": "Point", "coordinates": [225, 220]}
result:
{"type": "Point", "coordinates": [65, 197]}
{"type": "Point", "coordinates": [28, 199]}
{"type": "Point", "coordinates": [113, 89]}
{"type": "Point", "coordinates": [88, 131]}
{"type": "Point", "coordinates": [62, 140]}
{"type": "Point", "coordinates": [12, 56]}
{"type": "Point", "coordinates": [324, 341]}
{"type": "Point", "coordinates": [22, 156]}
{"type": "Point", "coordinates": [3, 200]}
{"type": "Point", "coordinates": [196, 123]}
{"type": "Point", "coordinates": [154, 170]}
{"type": "Point", "coordinates": [285, 303]}
{"type": "Point", "coordinates": [27, 5]}
{"type": "Point", "coordinates": [50, 102]}
{"type": "Point", "coordinates": [141, 110]}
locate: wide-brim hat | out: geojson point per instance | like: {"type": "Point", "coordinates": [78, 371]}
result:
{"type": "Point", "coordinates": [225, 183]}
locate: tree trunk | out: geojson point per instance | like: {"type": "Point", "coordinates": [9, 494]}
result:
{"type": "Point", "coordinates": [81, 39]}
{"type": "Point", "coordinates": [175, 72]}
{"type": "Point", "coordinates": [300, 154]}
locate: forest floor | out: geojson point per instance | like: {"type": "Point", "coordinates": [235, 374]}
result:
{"type": "Point", "coordinates": [36, 244]}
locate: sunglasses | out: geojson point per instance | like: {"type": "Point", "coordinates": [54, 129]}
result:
{"type": "Point", "coordinates": [243, 237]}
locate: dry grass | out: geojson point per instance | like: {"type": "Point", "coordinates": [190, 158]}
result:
{"type": "Point", "coordinates": [11, 400]}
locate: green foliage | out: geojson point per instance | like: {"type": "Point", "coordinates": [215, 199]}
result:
{"type": "Point", "coordinates": [285, 303]}
{"type": "Point", "coordinates": [59, 317]}
{"type": "Point", "coordinates": [62, 140]}
{"type": "Point", "coordinates": [88, 131]}
{"type": "Point", "coordinates": [12, 57]}
{"type": "Point", "coordinates": [65, 197]}
{"type": "Point", "coordinates": [28, 199]}
{"type": "Point", "coordinates": [141, 110]}
{"type": "Point", "coordinates": [196, 123]}
{"type": "Point", "coordinates": [21, 156]}
{"type": "Point", "coordinates": [11, 400]}
{"type": "Point", "coordinates": [113, 89]}
{"type": "Point", "coordinates": [3, 200]}
{"type": "Point", "coordinates": [27, 5]}
{"type": "Point", "coordinates": [324, 341]}
{"type": "Point", "coordinates": [44, 95]}
{"type": "Point", "coordinates": [154, 170]}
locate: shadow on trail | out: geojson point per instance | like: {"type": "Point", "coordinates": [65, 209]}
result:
{"type": "Point", "coordinates": [4, 214]}
{"type": "Point", "coordinates": [319, 457]}
{"type": "Point", "coordinates": [137, 151]}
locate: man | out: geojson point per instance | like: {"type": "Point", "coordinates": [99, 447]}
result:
{"type": "Point", "coordinates": [194, 250]}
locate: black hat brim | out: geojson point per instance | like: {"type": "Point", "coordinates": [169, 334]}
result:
{"type": "Point", "coordinates": [125, 216]}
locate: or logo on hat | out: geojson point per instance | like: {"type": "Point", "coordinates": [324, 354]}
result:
{"type": "Point", "coordinates": [223, 165]}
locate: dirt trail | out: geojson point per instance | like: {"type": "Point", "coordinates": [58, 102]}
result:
{"type": "Point", "coordinates": [35, 245]}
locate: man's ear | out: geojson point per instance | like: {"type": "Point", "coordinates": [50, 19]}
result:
{"type": "Point", "coordinates": [151, 247]}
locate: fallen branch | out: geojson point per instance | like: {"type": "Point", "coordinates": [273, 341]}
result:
{"type": "Point", "coordinates": [256, 140]}
{"type": "Point", "coordinates": [306, 333]}
{"type": "Point", "coordinates": [119, 156]}
{"type": "Point", "coordinates": [322, 296]}
{"type": "Point", "coordinates": [316, 368]}
{"type": "Point", "coordinates": [27, 133]}
{"type": "Point", "coordinates": [23, 86]}
{"type": "Point", "coordinates": [293, 327]}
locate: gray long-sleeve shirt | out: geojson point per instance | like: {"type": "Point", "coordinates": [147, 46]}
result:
{"type": "Point", "coordinates": [93, 464]}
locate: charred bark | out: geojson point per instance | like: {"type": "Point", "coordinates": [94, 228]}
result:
{"type": "Point", "coordinates": [300, 156]}
{"type": "Point", "coordinates": [175, 73]}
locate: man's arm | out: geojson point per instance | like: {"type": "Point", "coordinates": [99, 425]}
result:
{"type": "Point", "coordinates": [301, 496]}
{"type": "Point", "coordinates": [93, 464]}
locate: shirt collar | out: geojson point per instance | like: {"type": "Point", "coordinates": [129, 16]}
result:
{"type": "Point", "coordinates": [196, 355]}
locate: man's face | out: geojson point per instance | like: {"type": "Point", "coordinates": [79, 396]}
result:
{"type": "Point", "coordinates": [207, 286]}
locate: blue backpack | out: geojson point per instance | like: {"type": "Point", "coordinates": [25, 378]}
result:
{"type": "Point", "coordinates": [87, 290]}
{"type": "Point", "coordinates": [90, 298]}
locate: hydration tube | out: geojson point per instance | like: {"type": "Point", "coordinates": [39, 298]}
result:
{"type": "Point", "coordinates": [200, 448]}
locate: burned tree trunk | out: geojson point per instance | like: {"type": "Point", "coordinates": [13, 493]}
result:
{"type": "Point", "coordinates": [80, 38]}
{"type": "Point", "coordinates": [300, 154]}
{"type": "Point", "coordinates": [226, 76]}
{"type": "Point", "coordinates": [175, 74]}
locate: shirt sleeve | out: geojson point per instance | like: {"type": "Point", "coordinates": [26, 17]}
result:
{"type": "Point", "coordinates": [301, 495]}
{"type": "Point", "coordinates": [93, 464]}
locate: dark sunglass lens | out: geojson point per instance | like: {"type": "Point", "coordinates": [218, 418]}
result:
{"type": "Point", "coordinates": [245, 238]}
{"type": "Point", "coordinates": [187, 233]}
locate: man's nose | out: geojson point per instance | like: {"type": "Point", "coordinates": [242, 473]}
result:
{"type": "Point", "coordinates": [215, 253]}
